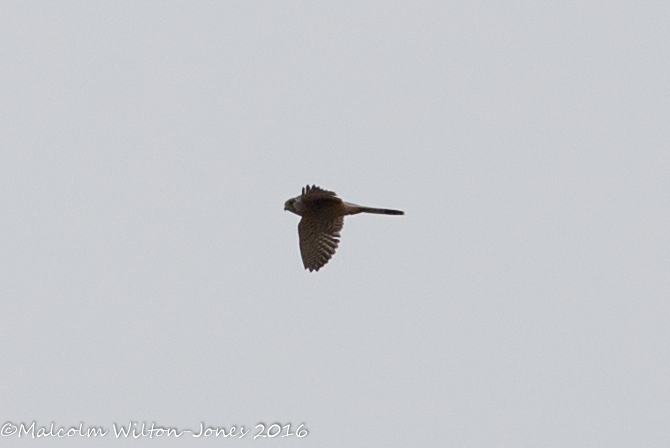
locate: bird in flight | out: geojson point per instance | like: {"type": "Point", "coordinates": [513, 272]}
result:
{"type": "Point", "coordinates": [322, 219]}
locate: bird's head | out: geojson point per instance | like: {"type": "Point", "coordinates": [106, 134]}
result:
{"type": "Point", "coordinates": [293, 205]}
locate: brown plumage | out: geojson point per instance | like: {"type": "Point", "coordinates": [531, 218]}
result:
{"type": "Point", "coordinates": [322, 220]}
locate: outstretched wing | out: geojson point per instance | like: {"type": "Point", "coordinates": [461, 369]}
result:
{"type": "Point", "coordinates": [318, 240]}
{"type": "Point", "coordinates": [315, 198]}
{"type": "Point", "coordinates": [316, 191]}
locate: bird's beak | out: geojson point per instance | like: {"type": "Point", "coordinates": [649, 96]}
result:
{"type": "Point", "coordinates": [285, 205]}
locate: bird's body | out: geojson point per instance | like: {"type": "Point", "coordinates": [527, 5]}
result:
{"type": "Point", "coordinates": [323, 215]}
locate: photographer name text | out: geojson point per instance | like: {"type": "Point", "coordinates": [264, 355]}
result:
{"type": "Point", "coordinates": [136, 430]}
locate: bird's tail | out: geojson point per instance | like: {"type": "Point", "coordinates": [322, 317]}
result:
{"type": "Point", "coordinates": [355, 209]}
{"type": "Point", "coordinates": [381, 211]}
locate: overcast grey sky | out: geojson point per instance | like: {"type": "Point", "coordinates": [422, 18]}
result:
{"type": "Point", "coordinates": [148, 272]}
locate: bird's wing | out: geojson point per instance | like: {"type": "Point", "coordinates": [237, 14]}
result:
{"type": "Point", "coordinates": [317, 196]}
{"type": "Point", "coordinates": [316, 190]}
{"type": "Point", "coordinates": [318, 240]}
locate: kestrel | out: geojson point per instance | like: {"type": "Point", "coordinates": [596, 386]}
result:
{"type": "Point", "coordinates": [322, 219]}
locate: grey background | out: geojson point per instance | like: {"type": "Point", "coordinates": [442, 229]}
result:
{"type": "Point", "coordinates": [148, 272]}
